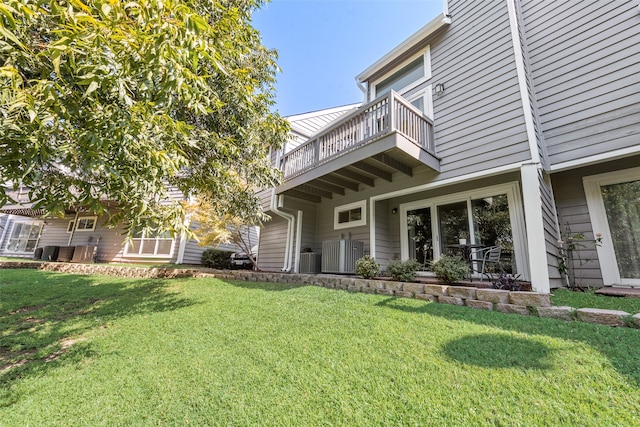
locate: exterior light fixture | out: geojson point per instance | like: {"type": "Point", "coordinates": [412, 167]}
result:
{"type": "Point", "coordinates": [439, 89]}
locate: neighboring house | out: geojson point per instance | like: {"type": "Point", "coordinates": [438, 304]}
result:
{"type": "Point", "coordinates": [24, 230]}
{"type": "Point", "coordinates": [508, 123]}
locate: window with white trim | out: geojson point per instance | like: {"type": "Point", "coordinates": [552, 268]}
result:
{"type": "Point", "coordinates": [410, 74]}
{"type": "Point", "coordinates": [147, 243]}
{"type": "Point", "coordinates": [85, 223]}
{"type": "Point", "coordinates": [351, 215]}
{"type": "Point", "coordinates": [24, 237]}
{"type": "Point", "coordinates": [70, 226]}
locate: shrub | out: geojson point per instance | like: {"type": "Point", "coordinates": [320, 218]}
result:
{"type": "Point", "coordinates": [216, 258]}
{"type": "Point", "coordinates": [507, 282]}
{"type": "Point", "coordinates": [450, 268]}
{"type": "Point", "coordinates": [367, 267]}
{"type": "Point", "coordinates": [403, 271]}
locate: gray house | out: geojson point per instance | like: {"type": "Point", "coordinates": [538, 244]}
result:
{"type": "Point", "coordinates": [505, 123]}
{"type": "Point", "coordinates": [29, 233]}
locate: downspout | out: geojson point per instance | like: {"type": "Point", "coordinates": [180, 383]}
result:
{"type": "Point", "coordinates": [73, 229]}
{"type": "Point", "coordinates": [288, 247]}
{"type": "Point", "coordinates": [182, 245]}
{"type": "Point", "coordinates": [298, 242]}
{"type": "Point", "coordinates": [290, 224]}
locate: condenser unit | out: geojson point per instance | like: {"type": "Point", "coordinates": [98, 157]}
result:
{"type": "Point", "coordinates": [85, 253]}
{"type": "Point", "coordinates": [340, 256]}
{"type": "Point", "coordinates": [310, 263]}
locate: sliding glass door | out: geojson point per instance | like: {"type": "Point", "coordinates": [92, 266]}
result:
{"type": "Point", "coordinates": [460, 224]}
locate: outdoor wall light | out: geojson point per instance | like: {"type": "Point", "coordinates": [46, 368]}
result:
{"type": "Point", "coordinates": [439, 89]}
{"type": "Point", "coordinates": [394, 211]}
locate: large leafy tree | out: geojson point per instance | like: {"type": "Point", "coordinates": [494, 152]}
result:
{"type": "Point", "coordinates": [106, 101]}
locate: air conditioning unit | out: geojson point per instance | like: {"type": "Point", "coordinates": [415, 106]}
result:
{"type": "Point", "coordinates": [310, 263]}
{"type": "Point", "coordinates": [65, 253]}
{"type": "Point", "coordinates": [340, 256]}
{"type": "Point", "coordinates": [85, 253]}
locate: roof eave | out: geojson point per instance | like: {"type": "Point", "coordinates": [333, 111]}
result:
{"type": "Point", "coordinates": [434, 25]}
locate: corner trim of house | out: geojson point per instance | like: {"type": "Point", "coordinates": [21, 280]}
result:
{"type": "Point", "coordinates": [522, 82]}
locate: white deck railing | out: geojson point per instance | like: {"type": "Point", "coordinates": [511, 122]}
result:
{"type": "Point", "coordinates": [387, 114]}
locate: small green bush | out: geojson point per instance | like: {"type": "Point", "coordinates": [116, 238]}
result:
{"type": "Point", "coordinates": [450, 268]}
{"type": "Point", "coordinates": [367, 267]}
{"type": "Point", "coordinates": [216, 258]}
{"type": "Point", "coordinates": [403, 271]}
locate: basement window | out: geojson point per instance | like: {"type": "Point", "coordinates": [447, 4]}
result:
{"type": "Point", "coordinates": [351, 215]}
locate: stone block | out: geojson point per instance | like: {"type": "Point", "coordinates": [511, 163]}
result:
{"type": "Point", "coordinates": [416, 288]}
{"type": "Point", "coordinates": [450, 300]}
{"type": "Point", "coordinates": [462, 292]}
{"type": "Point", "coordinates": [602, 317]}
{"type": "Point", "coordinates": [427, 297]}
{"type": "Point", "coordinates": [341, 286]}
{"type": "Point", "coordinates": [481, 305]}
{"type": "Point", "coordinates": [376, 284]}
{"type": "Point", "coordinates": [384, 291]}
{"type": "Point", "coordinates": [636, 320]}
{"type": "Point", "coordinates": [493, 295]}
{"type": "Point", "coordinates": [562, 312]}
{"type": "Point", "coordinates": [436, 290]}
{"type": "Point", "coordinates": [362, 283]}
{"type": "Point", "coordinates": [393, 286]}
{"type": "Point", "coordinates": [404, 294]}
{"type": "Point", "coordinates": [530, 299]}
{"type": "Point", "coordinates": [354, 288]}
{"type": "Point", "coordinates": [368, 290]}
{"type": "Point", "coordinates": [513, 308]}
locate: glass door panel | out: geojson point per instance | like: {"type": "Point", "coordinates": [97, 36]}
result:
{"type": "Point", "coordinates": [492, 227]}
{"type": "Point", "coordinates": [454, 226]}
{"type": "Point", "coordinates": [420, 236]}
{"type": "Point", "coordinates": [622, 206]}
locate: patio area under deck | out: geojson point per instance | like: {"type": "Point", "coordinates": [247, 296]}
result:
{"type": "Point", "coordinates": [386, 136]}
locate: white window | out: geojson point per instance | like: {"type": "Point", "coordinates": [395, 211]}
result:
{"type": "Point", "coordinates": [351, 215]}
{"type": "Point", "coordinates": [24, 237]}
{"type": "Point", "coordinates": [150, 244]}
{"type": "Point", "coordinates": [613, 200]}
{"type": "Point", "coordinates": [410, 74]}
{"type": "Point", "coordinates": [70, 226]}
{"type": "Point", "coordinates": [85, 223]}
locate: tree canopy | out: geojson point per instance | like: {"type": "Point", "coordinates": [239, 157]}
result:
{"type": "Point", "coordinates": [106, 101]}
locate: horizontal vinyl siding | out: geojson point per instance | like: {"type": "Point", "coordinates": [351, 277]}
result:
{"type": "Point", "coordinates": [585, 58]}
{"type": "Point", "coordinates": [573, 215]}
{"type": "Point", "coordinates": [479, 122]}
{"type": "Point", "coordinates": [271, 250]}
{"type": "Point", "coordinates": [551, 232]}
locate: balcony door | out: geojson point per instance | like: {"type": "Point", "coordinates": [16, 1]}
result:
{"type": "Point", "coordinates": [614, 207]}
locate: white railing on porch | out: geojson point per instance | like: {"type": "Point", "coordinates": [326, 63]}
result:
{"type": "Point", "coordinates": [387, 114]}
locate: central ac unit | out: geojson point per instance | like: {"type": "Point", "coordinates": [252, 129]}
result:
{"type": "Point", "coordinates": [340, 256]}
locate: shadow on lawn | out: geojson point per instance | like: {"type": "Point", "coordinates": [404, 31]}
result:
{"type": "Point", "coordinates": [43, 316]}
{"type": "Point", "coordinates": [619, 345]}
{"type": "Point", "coordinates": [264, 286]}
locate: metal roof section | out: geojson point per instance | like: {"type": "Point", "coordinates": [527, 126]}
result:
{"type": "Point", "coordinates": [433, 26]}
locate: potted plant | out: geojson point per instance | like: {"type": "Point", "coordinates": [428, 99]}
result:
{"type": "Point", "coordinates": [462, 238]}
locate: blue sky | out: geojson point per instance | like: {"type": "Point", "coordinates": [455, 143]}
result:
{"type": "Point", "coordinates": [324, 44]}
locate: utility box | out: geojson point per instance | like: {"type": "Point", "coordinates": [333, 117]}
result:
{"type": "Point", "coordinates": [340, 256]}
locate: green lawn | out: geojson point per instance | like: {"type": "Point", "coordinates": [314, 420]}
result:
{"type": "Point", "coordinates": [94, 350]}
{"type": "Point", "coordinates": [591, 300]}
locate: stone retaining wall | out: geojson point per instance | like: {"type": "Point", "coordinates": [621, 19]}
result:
{"type": "Point", "coordinates": [523, 303]}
